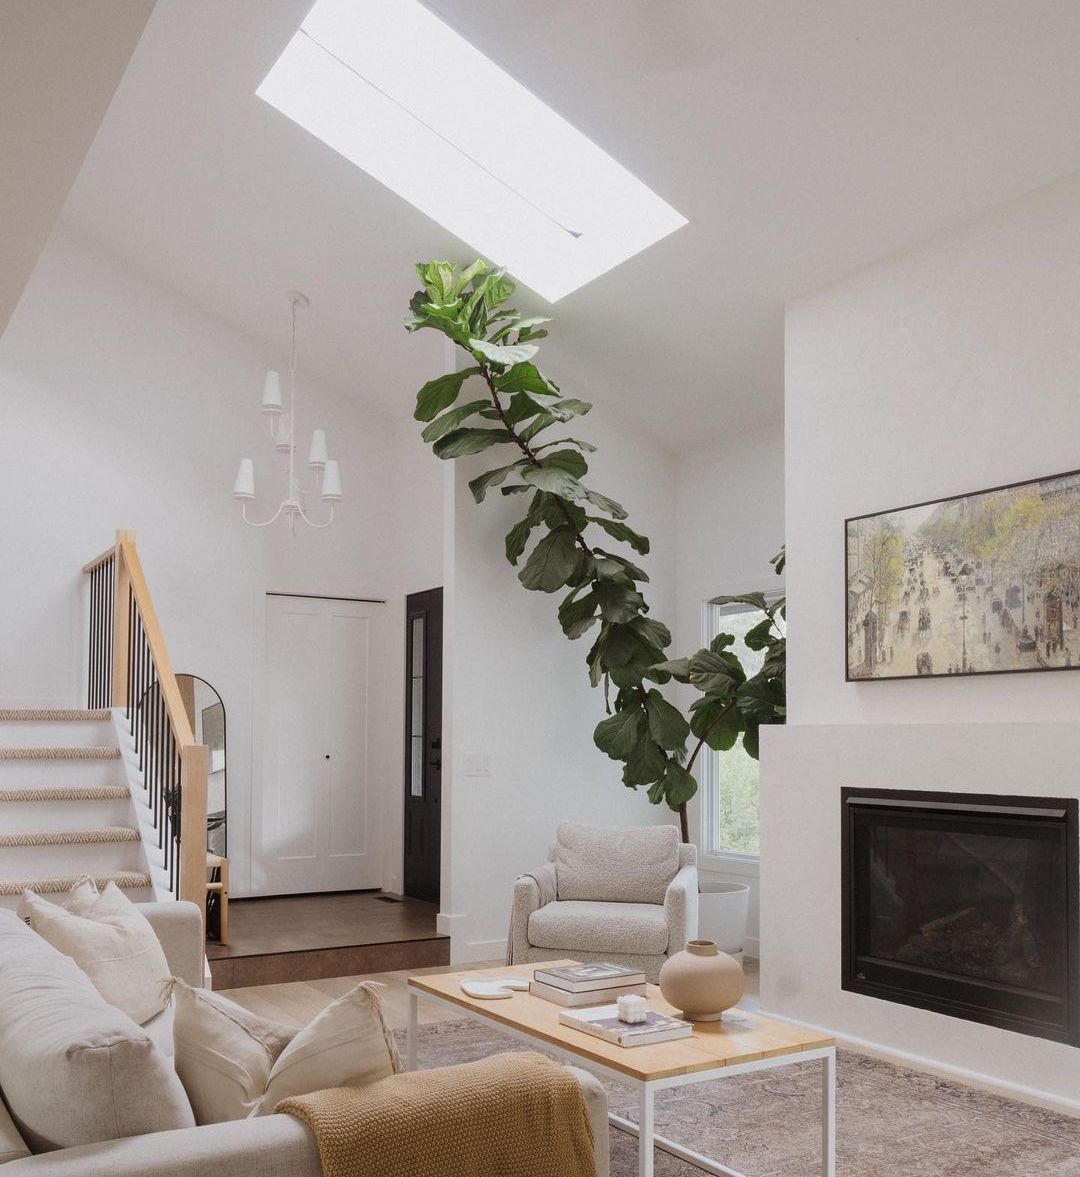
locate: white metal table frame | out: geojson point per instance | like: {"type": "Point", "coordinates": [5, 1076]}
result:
{"type": "Point", "coordinates": [646, 1088]}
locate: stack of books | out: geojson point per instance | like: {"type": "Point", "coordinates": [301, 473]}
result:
{"type": "Point", "coordinates": [586, 984]}
{"type": "Point", "coordinates": [604, 1022]}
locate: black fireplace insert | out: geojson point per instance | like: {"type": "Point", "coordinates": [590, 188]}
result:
{"type": "Point", "coordinates": [966, 905]}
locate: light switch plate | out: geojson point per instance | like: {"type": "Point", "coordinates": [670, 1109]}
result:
{"type": "Point", "coordinates": [477, 764]}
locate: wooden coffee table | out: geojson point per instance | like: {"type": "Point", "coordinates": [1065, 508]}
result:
{"type": "Point", "coordinates": [716, 1050]}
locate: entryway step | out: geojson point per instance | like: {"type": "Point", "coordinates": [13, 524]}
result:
{"type": "Point", "coordinates": [51, 715]}
{"type": "Point", "coordinates": [96, 753]}
{"type": "Point", "coordinates": [68, 837]}
{"type": "Point", "coordinates": [126, 880]}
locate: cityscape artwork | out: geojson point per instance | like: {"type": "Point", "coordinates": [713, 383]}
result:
{"type": "Point", "coordinates": [977, 584]}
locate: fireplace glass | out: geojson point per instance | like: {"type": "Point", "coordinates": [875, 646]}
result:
{"type": "Point", "coordinates": [964, 905]}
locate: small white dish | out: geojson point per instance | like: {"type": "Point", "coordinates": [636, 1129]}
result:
{"type": "Point", "coordinates": [492, 990]}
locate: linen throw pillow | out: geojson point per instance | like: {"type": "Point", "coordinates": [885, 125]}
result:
{"type": "Point", "coordinates": [113, 943]}
{"type": "Point", "coordinates": [73, 1068]}
{"type": "Point", "coordinates": [234, 1064]}
{"type": "Point", "coordinates": [624, 865]}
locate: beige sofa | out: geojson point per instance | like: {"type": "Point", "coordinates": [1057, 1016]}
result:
{"type": "Point", "coordinates": [629, 896]}
{"type": "Point", "coordinates": [271, 1146]}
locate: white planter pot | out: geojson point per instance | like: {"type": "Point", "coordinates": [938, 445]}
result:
{"type": "Point", "coordinates": [722, 913]}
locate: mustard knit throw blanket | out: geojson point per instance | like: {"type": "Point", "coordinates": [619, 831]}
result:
{"type": "Point", "coordinates": [512, 1115]}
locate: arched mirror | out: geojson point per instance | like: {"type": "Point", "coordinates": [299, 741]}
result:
{"type": "Point", "coordinates": [206, 713]}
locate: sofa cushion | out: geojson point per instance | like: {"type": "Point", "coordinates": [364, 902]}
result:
{"type": "Point", "coordinates": [589, 926]}
{"type": "Point", "coordinates": [236, 1064]}
{"type": "Point", "coordinates": [113, 943]}
{"type": "Point", "coordinates": [624, 865]}
{"type": "Point", "coordinates": [12, 1145]}
{"type": "Point", "coordinates": [74, 1069]}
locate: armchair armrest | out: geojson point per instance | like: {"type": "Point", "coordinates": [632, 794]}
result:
{"type": "Point", "coordinates": [681, 908]}
{"type": "Point", "coordinates": [531, 892]}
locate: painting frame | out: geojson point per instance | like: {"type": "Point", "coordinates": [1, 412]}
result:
{"type": "Point", "coordinates": [1044, 480]}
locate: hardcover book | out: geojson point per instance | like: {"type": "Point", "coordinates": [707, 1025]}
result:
{"type": "Point", "coordinates": [588, 997]}
{"type": "Point", "coordinates": [603, 1022]}
{"type": "Point", "coordinates": [581, 978]}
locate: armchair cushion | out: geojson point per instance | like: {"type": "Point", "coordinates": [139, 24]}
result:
{"type": "Point", "coordinates": [590, 926]}
{"type": "Point", "coordinates": [623, 865]}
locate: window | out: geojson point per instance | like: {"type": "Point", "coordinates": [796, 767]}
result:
{"type": "Point", "coordinates": [729, 784]}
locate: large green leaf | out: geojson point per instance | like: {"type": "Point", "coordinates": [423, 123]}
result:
{"type": "Point", "coordinates": [717, 722]}
{"type": "Point", "coordinates": [754, 600]}
{"type": "Point", "coordinates": [618, 602]}
{"type": "Point", "coordinates": [482, 483]}
{"type": "Point", "coordinates": [612, 564]}
{"type": "Point", "coordinates": [620, 531]}
{"type": "Point", "coordinates": [440, 393]}
{"type": "Point", "coordinates": [645, 764]}
{"type": "Point", "coordinates": [477, 270]}
{"type": "Point", "coordinates": [525, 377]}
{"type": "Point", "coordinates": [667, 725]}
{"type": "Point", "coordinates": [518, 535]}
{"type": "Point", "coordinates": [618, 735]}
{"type": "Point", "coordinates": [577, 614]}
{"type": "Point", "coordinates": [460, 442]}
{"type": "Point", "coordinates": [452, 420]}
{"type": "Point", "coordinates": [762, 699]}
{"type": "Point", "coordinates": [507, 355]}
{"type": "Point", "coordinates": [678, 668]}
{"type": "Point", "coordinates": [570, 461]}
{"type": "Point", "coordinates": [497, 288]}
{"type": "Point", "coordinates": [603, 503]}
{"type": "Point", "coordinates": [653, 631]}
{"type": "Point", "coordinates": [758, 636]}
{"type": "Point", "coordinates": [438, 280]}
{"type": "Point", "coordinates": [551, 562]}
{"type": "Point", "coordinates": [679, 785]}
{"type": "Point", "coordinates": [711, 672]}
{"type": "Point", "coordinates": [585, 446]}
{"type": "Point", "coordinates": [554, 481]}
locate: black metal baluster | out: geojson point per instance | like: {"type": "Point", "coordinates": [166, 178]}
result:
{"type": "Point", "coordinates": [130, 654]}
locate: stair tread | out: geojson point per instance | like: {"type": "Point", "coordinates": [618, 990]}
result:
{"type": "Point", "coordinates": [62, 753]}
{"type": "Point", "coordinates": [57, 884]}
{"type": "Point", "coordinates": [66, 793]}
{"type": "Point", "coordinates": [89, 837]}
{"type": "Point", "coordinates": [51, 714]}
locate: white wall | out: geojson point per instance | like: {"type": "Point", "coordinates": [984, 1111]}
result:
{"type": "Point", "coordinates": [729, 522]}
{"type": "Point", "coordinates": [520, 692]}
{"type": "Point", "coordinates": [124, 406]}
{"type": "Point", "coordinates": [950, 368]}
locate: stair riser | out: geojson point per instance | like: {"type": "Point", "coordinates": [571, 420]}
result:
{"type": "Point", "coordinates": [18, 774]}
{"type": "Point", "coordinates": [17, 817]}
{"type": "Point", "coordinates": [91, 858]}
{"type": "Point", "coordinates": [135, 894]}
{"type": "Point", "coordinates": [83, 733]}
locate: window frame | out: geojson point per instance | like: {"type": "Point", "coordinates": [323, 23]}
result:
{"type": "Point", "coordinates": [729, 862]}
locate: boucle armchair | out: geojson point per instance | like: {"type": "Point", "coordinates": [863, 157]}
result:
{"type": "Point", "coordinates": [629, 896]}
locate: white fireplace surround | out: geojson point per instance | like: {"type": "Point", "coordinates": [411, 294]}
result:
{"type": "Point", "coordinates": [803, 770]}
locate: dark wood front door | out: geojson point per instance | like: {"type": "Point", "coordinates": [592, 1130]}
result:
{"type": "Point", "coordinates": [423, 743]}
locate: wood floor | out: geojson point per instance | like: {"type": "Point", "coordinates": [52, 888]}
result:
{"type": "Point", "coordinates": [316, 937]}
{"type": "Point", "coordinates": [298, 1002]}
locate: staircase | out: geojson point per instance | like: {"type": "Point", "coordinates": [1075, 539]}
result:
{"type": "Point", "coordinates": [66, 806]}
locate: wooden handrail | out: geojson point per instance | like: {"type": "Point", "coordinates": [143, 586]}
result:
{"type": "Point", "coordinates": [130, 588]}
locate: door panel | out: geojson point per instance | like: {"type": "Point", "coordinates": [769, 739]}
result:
{"type": "Point", "coordinates": [316, 833]}
{"type": "Point", "coordinates": [423, 744]}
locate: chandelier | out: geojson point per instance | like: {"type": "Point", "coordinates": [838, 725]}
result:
{"type": "Point", "coordinates": [324, 474]}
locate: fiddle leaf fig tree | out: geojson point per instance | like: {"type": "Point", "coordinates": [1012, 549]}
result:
{"type": "Point", "coordinates": [574, 540]}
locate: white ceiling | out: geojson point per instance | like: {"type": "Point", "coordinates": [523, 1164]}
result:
{"type": "Point", "coordinates": [802, 138]}
{"type": "Point", "coordinates": [59, 66]}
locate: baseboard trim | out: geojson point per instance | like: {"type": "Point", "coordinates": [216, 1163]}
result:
{"type": "Point", "coordinates": [473, 950]}
{"type": "Point", "coordinates": [1002, 1087]}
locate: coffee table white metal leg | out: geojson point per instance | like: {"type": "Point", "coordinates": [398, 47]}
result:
{"type": "Point", "coordinates": [410, 1033]}
{"type": "Point", "coordinates": [828, 1114]}
{"type": "Point", "coordinates": [645, 1132]}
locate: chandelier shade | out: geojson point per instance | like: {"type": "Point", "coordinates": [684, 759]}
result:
{"type": "Point", "coordinates": [271, 401]}
{"type": "Point", "coordinates": [244, 486]}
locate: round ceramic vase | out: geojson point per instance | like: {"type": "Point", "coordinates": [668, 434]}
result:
{"type": "Point", "coordinates": [701, 981]}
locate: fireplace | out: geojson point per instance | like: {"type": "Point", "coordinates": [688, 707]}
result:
{"type": "Point", "coordinates": [966, 905]}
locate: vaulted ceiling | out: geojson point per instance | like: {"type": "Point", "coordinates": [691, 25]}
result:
{"type": "Point", "coordinates": [802, 138]}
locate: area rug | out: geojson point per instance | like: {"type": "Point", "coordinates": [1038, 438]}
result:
{"type": "Point", "coordinates": [891, 1122]}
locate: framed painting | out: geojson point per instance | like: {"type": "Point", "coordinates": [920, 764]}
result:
{"type": "Point", "coordinates": [982, 583]}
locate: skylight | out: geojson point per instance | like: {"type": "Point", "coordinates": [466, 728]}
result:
{"type": "Point", "coordinates": [398, 93]}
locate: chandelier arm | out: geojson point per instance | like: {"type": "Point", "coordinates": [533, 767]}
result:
{"type": "Point", "coordinates": [251, 522]}
{"type": "Point", "coordinates": [311, 523]}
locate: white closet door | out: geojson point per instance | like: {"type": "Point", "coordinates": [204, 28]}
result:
{"type": "Point", "coordinates": [316, 828]}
